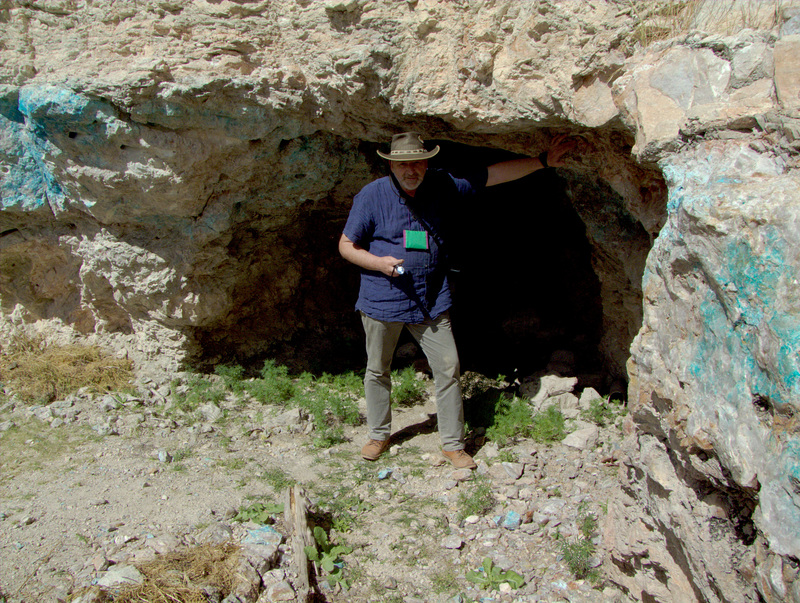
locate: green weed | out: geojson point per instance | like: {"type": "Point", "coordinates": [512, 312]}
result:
{"type": "Point", "coordinates": [259, 513]}
{"type": "Point", "coordinates": [329, 409]}
{"type": "Point", "coordinates": [232, 464]}
{"type": "Point", "coordinates": [181, 454]}
{"type": "Point", "coordinates": [444, 580]}
{"type": "Point", "coordinates": [199, 390]}
{"type": "Point", "coordinates": [232, 377]}
{"type": "Point", "coordinates": [407, 389]}
{"type": "Point", "coordinates": [330, 400]}
{"type": "Point", "coordinates": [350, 382]}
{"type": "Point", "coordinates": [601, 412]}
{"type": "Point", "coordinates": [328, 557]}
{"type": "Point", "coordinates": [340, 504]}
{"type": "Point", "coordinates": [490, 577]}
{"type": "Point", "coordinates": [577, 555]}
{"type": "Point", "coordinates": [579, 552]}
{"type": "Point", "coordinates": [512, 417]}
{"type": "Point", "coordinates": [277, 479]}
{"type": "Point", "coordinates": [548, 425]}
{"type": "Point", "coordinates": [507, 456]}
{"type": "Point", "coordinates": [478, 499]}
{"type": "Point", "coordinates": [274, 387]}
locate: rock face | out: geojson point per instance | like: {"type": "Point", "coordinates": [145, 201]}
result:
{"type": "Point", "coordinates": [174, 176]}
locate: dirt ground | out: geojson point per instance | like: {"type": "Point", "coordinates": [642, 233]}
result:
{"type": "Point", "coordinates": [76, 498]}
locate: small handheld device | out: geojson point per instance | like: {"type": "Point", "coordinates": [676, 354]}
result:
{"type": "Point", "coordinates": [399, 269]}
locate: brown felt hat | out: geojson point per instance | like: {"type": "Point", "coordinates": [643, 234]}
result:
{"type": "Point", "coordinates": [408, 146]}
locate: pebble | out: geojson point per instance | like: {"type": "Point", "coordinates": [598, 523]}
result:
{"type": "Point", "coordinates": [120, 575]}
{"type": "Point", "coordinates": [461, 475]}
{"type": "Point", "coordinates": [514, 470]}
{"type": "Point", "coordinates": [264, 535]}
{"type": "Point", "coordinates": [281, 591]}
{"type": "Point", "coordinates": [512, 520]}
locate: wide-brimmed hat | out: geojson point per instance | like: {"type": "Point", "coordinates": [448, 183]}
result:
{"type": "Point", "coordinates": [408, 146]}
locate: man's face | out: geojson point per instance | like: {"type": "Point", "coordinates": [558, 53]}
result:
{"type": "Point", "coordinates": [409, 173]}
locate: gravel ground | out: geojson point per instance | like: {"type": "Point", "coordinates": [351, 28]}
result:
{"type": "Point", "coordinates": [93, 483]}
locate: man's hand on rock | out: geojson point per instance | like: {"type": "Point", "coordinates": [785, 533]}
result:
{"type": "Point", "coordinates": [560, 146]}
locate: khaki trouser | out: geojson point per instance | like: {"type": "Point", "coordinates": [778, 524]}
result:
{"type": "Point", "coordinates": [435, 337]}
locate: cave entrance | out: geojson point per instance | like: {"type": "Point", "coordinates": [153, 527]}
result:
{"type": "Point", "coordinates": [551, 276]}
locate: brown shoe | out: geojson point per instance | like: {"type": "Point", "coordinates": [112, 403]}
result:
{"type": "Point", "coordinates": [460, 459]}
{"type": "Point", "coordinates": [374, 449]}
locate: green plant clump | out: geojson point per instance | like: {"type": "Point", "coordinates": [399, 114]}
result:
{"type": "Point", "coordinates": [328, 557]}
{"type": "Point", "coordinates": [490, 577]}
{"type": "Point", "coordinates": [277, 479]}
{"type": "Point", "coordinates": [407, 389]}
{"type": "Point", "coordinates": [478, 500]}
{"type": "Point", "coordinates": [258, 513]}
{"type": "Point", "coordinates": [601, 412]}
{"type": "Point", "coordinates": [512, 418]}
{"type": "Point", "coordinates": [548, 425]}
{"type": "Point", "coordinates": [579, 552]}
{"type": "Point", "coordinates": [275, 385]}
{"type": "Point", "coordinates": [330, 400]}
{"type": "Point", "coordinates": [232, 377]}
{"type": "Point", "coordinates": [199, 390]}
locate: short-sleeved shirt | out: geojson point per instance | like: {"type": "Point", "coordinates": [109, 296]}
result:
{"type": "Point", "coordinates": [378, 222]}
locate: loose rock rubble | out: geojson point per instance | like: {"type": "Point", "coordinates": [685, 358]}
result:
{"type": "Point", "coordinates": [137, 483]}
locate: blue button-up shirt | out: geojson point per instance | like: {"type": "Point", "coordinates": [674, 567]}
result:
{"type": "Point", "coordinates": [377, 221]}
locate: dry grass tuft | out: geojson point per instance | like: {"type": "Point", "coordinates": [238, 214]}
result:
{"type": "Point", "coordinates": [184, 576]}
{"type": "Point", "coordinates": [662, 19]}
{"type": "Point", "coordinates": [41, 373]}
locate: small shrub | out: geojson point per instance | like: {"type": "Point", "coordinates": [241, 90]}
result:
{"type": "Point", "coordinates": [407, 389]}
{"type": "Point", "coordinates": [349, 383]}
{"type": "Point", "coordinates": [507, 456]}
{"type": "Point", "coordinates": [199, 390]}
{"type": "Point", "coordinates": [578, 554]}
{"type": "Point", "coordinates": [548, 425]}
{"type": "Point", "coordinates": [329, 409]}
{"type": "Point", "coordinates": [330, 400]}
{"type": "Point", "coordinates": [275, 385]}
{"type": "Point", "coordinates": [601, 412]}
{"type": "Point", "coordinates": [512, 417]}
{"type": "Point", "coordinates": [232, 377]}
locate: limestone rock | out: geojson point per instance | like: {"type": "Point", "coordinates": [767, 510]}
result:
{"type": "Point", "coordinates": [174, 177]}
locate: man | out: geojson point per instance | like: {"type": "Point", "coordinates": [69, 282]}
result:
{"type": "Point", "coordinates": [394, 234]}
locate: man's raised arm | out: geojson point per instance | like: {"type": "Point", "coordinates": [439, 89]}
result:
{"type": "Point", "coordinates": [506, 171]}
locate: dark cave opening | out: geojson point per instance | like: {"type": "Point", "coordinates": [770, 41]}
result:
{"type": "Point", "coordinates": [526, 293]}
{"type": "Point", "coordinates": [550, 278]}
